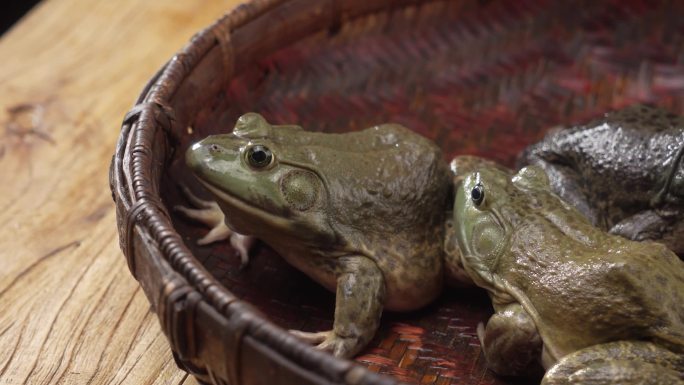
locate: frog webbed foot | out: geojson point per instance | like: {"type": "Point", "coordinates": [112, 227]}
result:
{"type": "Point", "coordinates": [209, 213]}
{"type": "Point", "coordinates": [329, 341]}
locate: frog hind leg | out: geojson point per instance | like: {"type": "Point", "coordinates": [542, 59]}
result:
{"type": "Point", "coordinates": [510, 342]}
{"type": "Point", "coordinates": [210, 214]}
{"type": "Point", "coordinates": [621, 362]}
{"type": "Point", "coordinates": [359, 300]}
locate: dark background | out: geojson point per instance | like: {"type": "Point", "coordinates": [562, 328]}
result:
{"type": "Point", "coordinates": [13, 10]}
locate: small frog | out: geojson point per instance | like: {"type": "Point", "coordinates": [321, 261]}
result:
{"type": "Point", "coordinates": [362, 213]}
{"type": "Point", "coordinates": [591, 307]}
{"type": "Point", "coordinates": [625, 172]}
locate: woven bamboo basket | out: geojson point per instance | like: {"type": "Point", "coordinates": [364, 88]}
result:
{"type": "Point", "coordinates": [478, 77]}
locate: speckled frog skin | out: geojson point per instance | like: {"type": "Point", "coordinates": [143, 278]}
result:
{"type": "Point", "coordinates": [592, 307]}
{"type": "Point", "coordinates": [361, 213]}
{"type": "Point", "coordinates": [625, 172]}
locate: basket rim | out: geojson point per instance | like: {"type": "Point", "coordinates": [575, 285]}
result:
{"type": "Point", "coordinates": [146, 214]}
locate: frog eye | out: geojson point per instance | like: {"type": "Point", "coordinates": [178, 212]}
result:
{"type": "Point", "coordinates": [259, 156]}
{"type": "Point", "coordinates": [477, 194]}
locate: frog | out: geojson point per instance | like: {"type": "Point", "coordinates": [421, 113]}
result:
{"type": "Point", "coordinates": [361, 213]}
{"type": "Point", "coordinates": [581, 304]}
{"type": "Point", "coordinates": [624, 171]}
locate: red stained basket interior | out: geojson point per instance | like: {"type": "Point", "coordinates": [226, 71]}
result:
{"type": "Point", "coordinates": [484, 78]}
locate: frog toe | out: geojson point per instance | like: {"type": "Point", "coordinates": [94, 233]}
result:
{"type": "Point", "coordinates": [242, 244]}
{"type": "Point", "coordinates": [481, 332]}
{"type": "Point", "coordinates": [211, 217]}
{"type": "Point", "coordinates": [340, 346]}
{"type": "Point", "coordinates": [219, 232]}
{"type": "Point", "coordinates": [195, 200]}
{"type": "Point", "coordinates": [329, 341]}
{"type": "Point", "coordinates": [188, 212]}
{"type": "Point", "coordinates": [204, 211]}
{"type": "Point", "coordinates": [311, 337]}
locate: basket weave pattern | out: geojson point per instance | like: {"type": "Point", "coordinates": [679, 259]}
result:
{"type": "Point", "coordinates": [484, 78]}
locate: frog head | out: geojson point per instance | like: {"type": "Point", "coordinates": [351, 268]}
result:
{"type": "Point", "coordinates": [283, 183]}
{"type": "Point", "coordinates": [259, 181]}
{"type": "Point", "coordinates": [490, 208]}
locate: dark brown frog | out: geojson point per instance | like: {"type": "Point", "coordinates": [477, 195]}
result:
{"type": "Point", "coordinates": [624, 172]}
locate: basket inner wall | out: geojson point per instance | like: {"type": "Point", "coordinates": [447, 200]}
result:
{"type": "Point", "coordinates": [482, 78]}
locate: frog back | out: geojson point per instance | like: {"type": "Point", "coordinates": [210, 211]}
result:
{"type": "Point", "coordinates": [608, 290]}
{"type": "Point", "coordinates": [631, 141]}
{"type": "Point", "coordinates": [621, 160]}
{"type": "Point", "coordinates": [397, 213]}
{"type": "Point", "coordinates": [387, 189]}
{"type": "Point", "coordinates": [641, 140]}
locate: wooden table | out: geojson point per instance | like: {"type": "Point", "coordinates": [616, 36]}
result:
{"type": "Point", "coordinates": [70, 312]}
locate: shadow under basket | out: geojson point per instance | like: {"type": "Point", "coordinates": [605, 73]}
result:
{"type": "Point", "coordinates": [477, 77]}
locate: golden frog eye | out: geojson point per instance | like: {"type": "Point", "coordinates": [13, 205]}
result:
{"type": "Point", "coordinates": [259, 156]}
{"type": "Point", "coordinates": [477, 194]}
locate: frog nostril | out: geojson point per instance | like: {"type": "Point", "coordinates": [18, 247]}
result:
{"type": "Point", "coordinates": [214, 148]}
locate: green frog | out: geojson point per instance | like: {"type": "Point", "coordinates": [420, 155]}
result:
{"type": "Point", "coordinates": [591, 307]}
{"type": "Point", "coordinates": [362, 213]}
{"type": "Point", "coordinates": [624, 171]}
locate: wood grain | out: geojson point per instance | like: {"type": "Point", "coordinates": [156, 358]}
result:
{"type": "Point", "coordinates": [70, 311]}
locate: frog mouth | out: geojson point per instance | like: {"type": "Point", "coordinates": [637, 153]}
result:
{"type": "Point", "coordinates": [239, 208]}
{"type": "Point", "coordinates": [245, 208]}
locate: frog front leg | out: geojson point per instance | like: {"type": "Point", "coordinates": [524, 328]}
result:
{"type": "Point", "coordinates": [646, 225]}
{"type": "Point", "coordinates": [360, 295]}
{"type": "Point", "coordinates": [210, 214]}
{"type": "Point", "coordinates": [652, 226]}
{"type": "Point", "coordinates": [619, 362]}
{"type": "Point", "coordinates": [510, 342]}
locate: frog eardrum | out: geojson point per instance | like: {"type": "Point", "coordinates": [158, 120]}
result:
{"type": "Point", "coordinates": [301, 189]}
